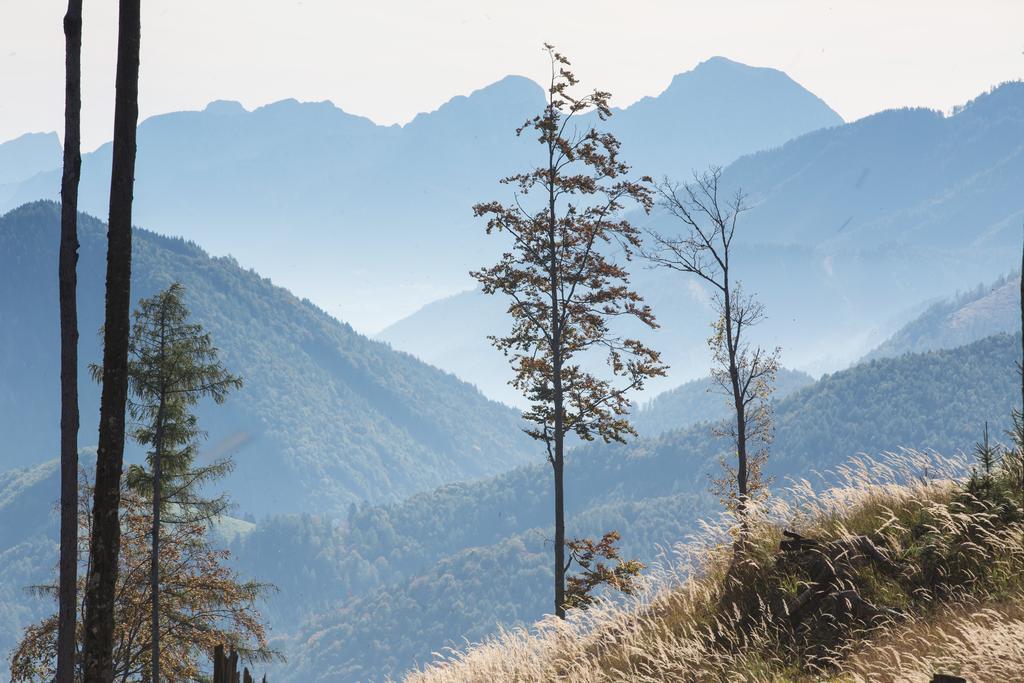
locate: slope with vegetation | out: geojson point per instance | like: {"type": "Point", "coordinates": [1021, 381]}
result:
{"type": "Point", "coordinates": [891, 576]}
{"type": "Point", "coordinates": [327, 416]}
{"type": "Point", "coordinates": [28, 547]}
{"type": "Point", "coordinates": [386, 577]}
{"type": "Point", "coordinates": [701, 400]}
{"type": "Point", "coordinates": [967, 317]}
{"type": "Point", "coordinates": [389, 574]}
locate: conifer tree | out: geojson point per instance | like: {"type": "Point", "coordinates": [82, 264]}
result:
{"type": "Point", "coordinates": [172, 365]}
{"type": "Point", "coordinates": [207, 604]}
{"type": "Point", "coordinates": [988, 456]}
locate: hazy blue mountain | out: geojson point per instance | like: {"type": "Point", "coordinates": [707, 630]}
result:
{"type": "Point", "coordinates": [25, 156]}
{"type": "Point", "coordinates": [371, 222]}
{"type": "Point", "coordinates": [850, 229]}
{"type": "Point", "coordinates": [701, 400]}
{"type": "Point", "coordinates": [908, 178]}
{"type": "Point", "coordinates": [972, 315]}
{"type": "Point", "coordinates": [326, 417]}
{"type": "Point", "coordinates": [716, 113]}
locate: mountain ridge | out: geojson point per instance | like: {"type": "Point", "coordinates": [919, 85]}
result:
{"type": "Point", "coordinates": [389, 207]}
{"type": "Point", "coordinates": [327, 416]}
{"type": "Point", "coordinates": [869, 220]}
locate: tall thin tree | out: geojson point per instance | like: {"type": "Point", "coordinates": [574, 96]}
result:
{"type": "Point", "coordinates": [566, 278]}
{"type": "Point", "coordinates": [744, 373]}
{"type": "Point", "coordinates": [97, 654]}
{"type": "Point", "coordinates": [67, 275]}
{"type": "Point", "coordinates": [172, 365]}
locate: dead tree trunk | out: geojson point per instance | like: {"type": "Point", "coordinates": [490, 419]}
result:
{"type": "Point", "coordinates": [106, 538]}
{"type": "Point", "coordinates": [67, 276]}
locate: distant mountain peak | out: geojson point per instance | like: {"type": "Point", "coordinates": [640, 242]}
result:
{"type": "Point", "coordinates": [510, 91]}
{"type": "Point", "coordinates": [723, 67]}
{"type": "Point", "coordinates": [735, 84]}
{"type": "Point", "coordinates": [718, 61]}
{"type": "Point", "coordinates": [225, 107]}
{"type": "Point", "coordinates": [512, 83]}
{"type": "Point", "coordinates": [28, 154]}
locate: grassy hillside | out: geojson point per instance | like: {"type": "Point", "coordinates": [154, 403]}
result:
{"type": "Point", "coordinates": [888, 577]}
{"type": "Point", "coordinates": [326, 417]}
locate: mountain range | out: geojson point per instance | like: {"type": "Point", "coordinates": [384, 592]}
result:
{"type": "Point", "coordinates": [851, 232]}
{"type": "Point", "coordinates": [371, 222]}
{"type": "Point", "coordinates": [24, 157]}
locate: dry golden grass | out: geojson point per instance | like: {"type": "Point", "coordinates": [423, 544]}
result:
{"type": "Point", "coordinates": [979, 643]}
{"type": "Point", "coordinates": [955, 606]}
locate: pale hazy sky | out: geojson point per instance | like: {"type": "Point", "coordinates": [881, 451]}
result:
{"type": "Point", "coordinates": [389, 59]}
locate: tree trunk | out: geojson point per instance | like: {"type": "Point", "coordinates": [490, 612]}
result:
{"type": "Point", "coordinates": [154, 562]}
{"type": "Point", "coordinates": [559, 526]}
{"type": "Point", "coordinates": [732, 344]}
{"type": "Point", "coordinates": [556, 381]}
{"type": "Point", "coordinates": [106, 537]}
{"type": "Point", "coordinates": [67, 275]}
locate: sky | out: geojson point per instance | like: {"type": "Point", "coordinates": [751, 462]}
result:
{"type": "Point", "coordinates": [389, 60]}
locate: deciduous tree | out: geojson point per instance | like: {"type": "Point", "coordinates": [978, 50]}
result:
{"type": "Point", "coordinates": [620, 574]}
{"type": "Point", "coordinates": [566, 278]}
{"type": "Point", "coordinates": [744, 372]}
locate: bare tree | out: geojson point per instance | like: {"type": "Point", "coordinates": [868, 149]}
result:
{"type": "Point", "coordinates": [97, 654]}
{"type": "Point", "coordinates": [67, 275]}
{"type": "Point", "coordinates": [744, 373]}
{"type": "Point", "coordinates": [564, 287]}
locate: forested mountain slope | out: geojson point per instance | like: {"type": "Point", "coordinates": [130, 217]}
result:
{"type": "Point", "coordinates": [28, 547]}
{"type": "Point", "coordinates": [326, 416]}
{"type": "Point", "coordinates": [701, 400]}
{"type": "Point", "coordinates": [371, 222]}
{"type": "Point", "coordinates": [382, 587]}
{"type": "Point", "coordinates": [453, 563]}
{"type": "Point", "coordinates": [982, 311]}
